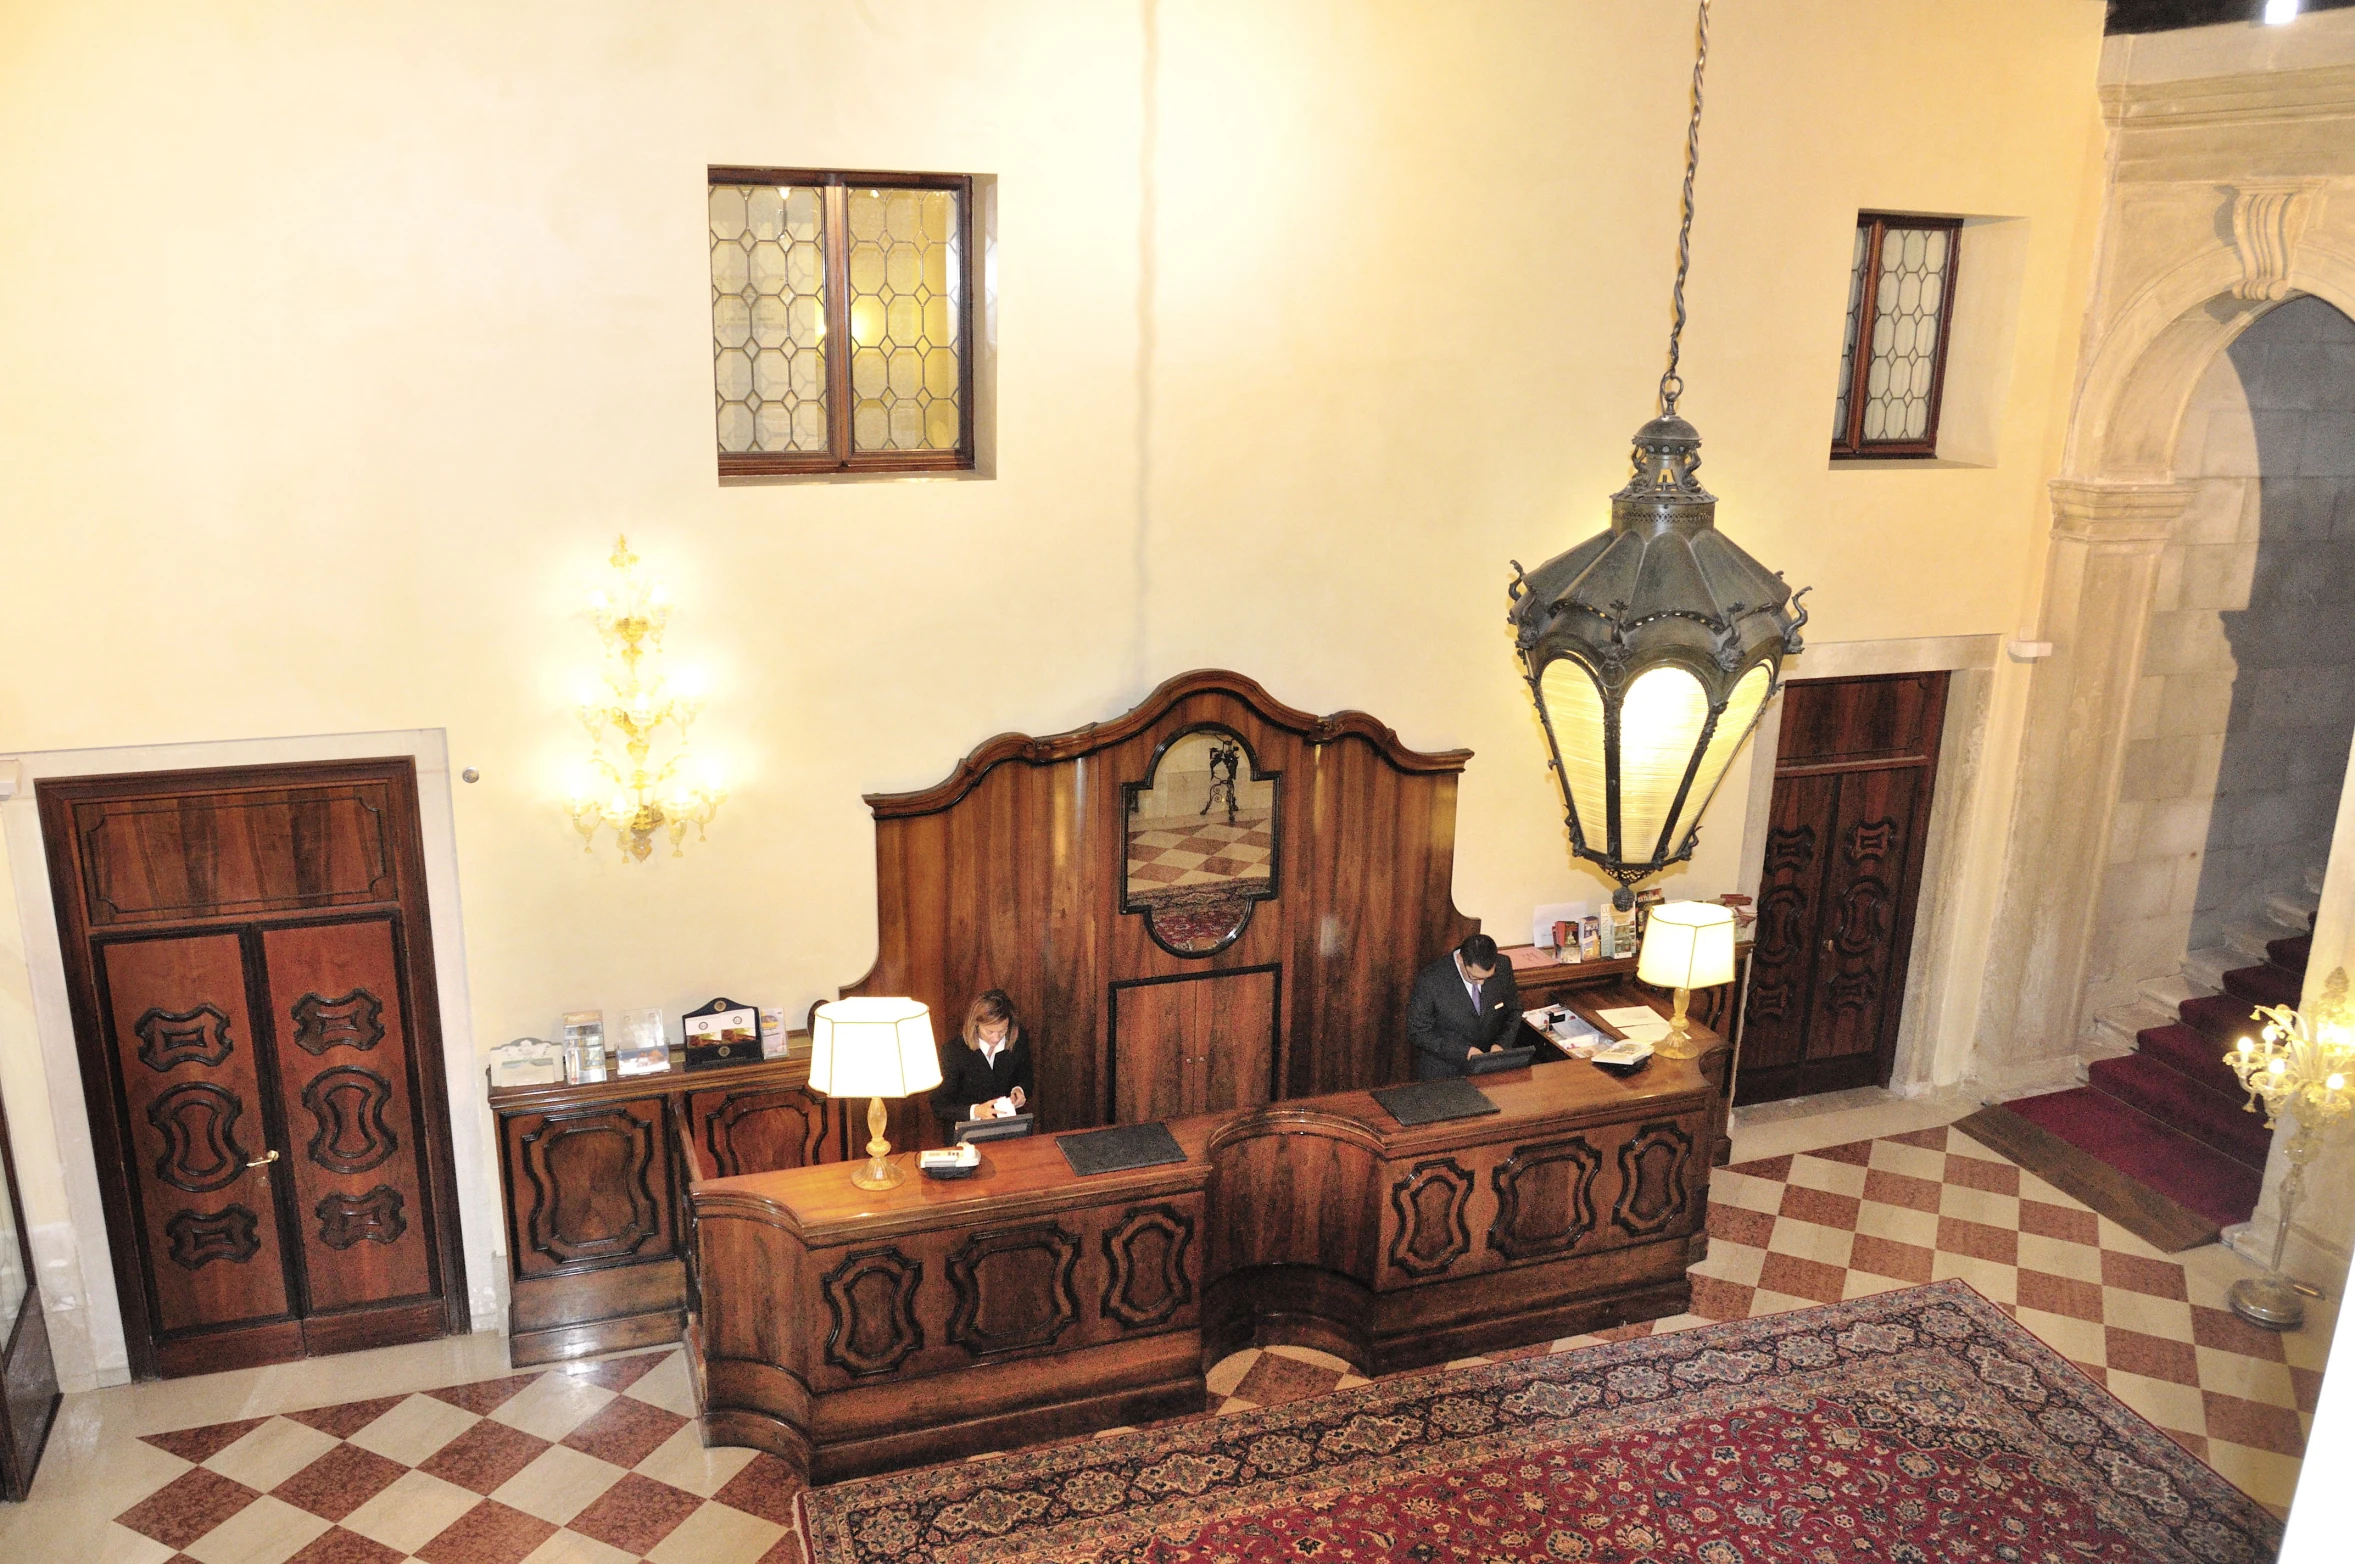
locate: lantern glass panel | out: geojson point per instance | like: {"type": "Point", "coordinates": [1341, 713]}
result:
{"type": "Point", "coordinates": [1659, 728]}
{"type": "Point", "coordinates": [1574, 708]}
{"type": "Point", "coordinates": [1733, 725]}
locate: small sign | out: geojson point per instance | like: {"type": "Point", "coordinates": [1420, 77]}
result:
{"type": "Point", "coordinates": [722, 1032]}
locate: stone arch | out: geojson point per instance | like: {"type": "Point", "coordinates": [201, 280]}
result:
{"type": "Point", "coordinates": [2145, 367]}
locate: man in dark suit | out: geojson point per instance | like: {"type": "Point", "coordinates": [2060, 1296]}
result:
{"type": "Point", "coordinates": [1466, 999]}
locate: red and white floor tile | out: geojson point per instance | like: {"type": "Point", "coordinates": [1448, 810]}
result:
{"type": "Point", "coordinates": [598, 1462]}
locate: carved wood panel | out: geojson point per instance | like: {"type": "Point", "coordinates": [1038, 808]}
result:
{"type": "Point", "coordinates": [591, 1186]}
{"type": "Point", "coordinates": [758, 1129]}
{"type": "Point", "coordinates": [1202, 1043]}
{"type": "Point", "coordinates": [348, 1104]}
{"type": "Point", "coordinates": [1009, 874]}
{"type": "Point", "coordinates": [353, 1110]}
{"type": "Point", "coordinates": [168, 1040]}
{"type": "Point", "coordinates": [1429, 1232]}
{"type": "Point", "coordinates": [234, 852]}
{"type": "Point", "coordinates": [872, 1298]}
{"type": "Point", "coordinates": [1013, 1288]}
{"type": "Point", "coordinates": [376, 1218]}
{"type": "Point", "coordinates": [192, 1128]}
{"type": "Point", "coordinates": [1657, 1179]}
{"type": "Point", "coordinates": [1545, 1198]}
{"type": "Point", "coordinates": [354, 1021]}
{"type": "Point", "coordinates": [1146, 1279]}
{"type": "Point", "coordinates": [199, 1238]}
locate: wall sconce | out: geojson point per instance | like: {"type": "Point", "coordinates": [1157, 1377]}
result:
{"type": "Point", "coordinates": [645, 797]}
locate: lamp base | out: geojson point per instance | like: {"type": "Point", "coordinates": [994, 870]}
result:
{"type": "Point", "coordinates": [2269, 1302]}
{"type": "Point", "coordinates": [875, 1173]}
{"type": "Point", "coordinates": [1678, 1044]}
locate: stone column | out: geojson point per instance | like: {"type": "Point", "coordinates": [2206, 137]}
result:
{"type": "Point", "coordinates": [2101, 567]}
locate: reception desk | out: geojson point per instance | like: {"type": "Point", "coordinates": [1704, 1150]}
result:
{"type": "Point", "coordinates": [850, 1331]}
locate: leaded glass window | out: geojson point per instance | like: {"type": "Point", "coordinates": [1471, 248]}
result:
{"type": "Point", "coordinates": [841, 320]}
{"type": "Point", "coordinates": [1893, 352]}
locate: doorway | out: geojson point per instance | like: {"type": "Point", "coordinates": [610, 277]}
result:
{"type": "Point", "coordinates": [247, 956]}
{"type": "Point", "coordinates": [1853, 779]}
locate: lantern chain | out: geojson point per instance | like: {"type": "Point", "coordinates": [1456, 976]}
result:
{"type": "Point", "coordinates": [1672, 385]}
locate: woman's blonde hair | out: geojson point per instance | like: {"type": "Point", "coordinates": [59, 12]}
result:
{"type": "Point", "coordinates": [990, 1005]}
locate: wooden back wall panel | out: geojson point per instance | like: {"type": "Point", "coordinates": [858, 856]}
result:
{"type": "Point", "coordinates": [1009, 874]}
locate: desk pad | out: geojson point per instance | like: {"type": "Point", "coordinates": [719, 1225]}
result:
{"type": "Point", "coordinates": [1433, 1102]}
{"type": "Point", "coordinates": [1117, 1150]}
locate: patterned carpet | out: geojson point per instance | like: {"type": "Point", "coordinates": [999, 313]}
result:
{"type": "Point", "coordinates": [598, 1462]}
{"type": "Point", "coordinates": [1918, 1425]}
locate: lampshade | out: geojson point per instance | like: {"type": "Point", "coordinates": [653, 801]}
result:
{"type": "Point", "coordinates": [872, 1047]}
{"type": "Point", "coordinates": [1688, 944]}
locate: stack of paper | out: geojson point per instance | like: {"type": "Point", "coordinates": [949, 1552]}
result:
{"type": "Point", "coordinates": [1639, 1023]}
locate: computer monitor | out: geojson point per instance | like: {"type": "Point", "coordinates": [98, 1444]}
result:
{"type": "Point", "coordinates": [1501, 1059]}
{"type": "Point", "coordinates": [990, 1129]}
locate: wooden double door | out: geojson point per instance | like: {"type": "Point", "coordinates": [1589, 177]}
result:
{"type": "Point", "coordinates": [1853, 777]}
{"type": "Point", "coordinates": [252, 986]}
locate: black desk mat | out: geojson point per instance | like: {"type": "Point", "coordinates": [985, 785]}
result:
{"type": "Point", "coordinates": [1433, 1102]}
{"type": "Point", "coordinates": [1119, 1149]}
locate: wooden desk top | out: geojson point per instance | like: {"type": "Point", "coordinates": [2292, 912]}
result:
{"type": "Point", "coordinates": [1031, 1174]}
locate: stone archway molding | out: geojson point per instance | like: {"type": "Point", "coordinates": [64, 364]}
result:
{"type": "Point", "coordinates": [2165, 336]}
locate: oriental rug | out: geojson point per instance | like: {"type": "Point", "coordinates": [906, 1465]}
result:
{"type": "Point", "coordinates": [1913, 1426]}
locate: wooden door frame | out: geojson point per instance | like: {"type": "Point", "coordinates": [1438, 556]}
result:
{"type": "Point", "coordinates": [54, 797]}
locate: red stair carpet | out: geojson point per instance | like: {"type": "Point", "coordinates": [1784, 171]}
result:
{"type": "Point", "coordinates": [2169, 1115]}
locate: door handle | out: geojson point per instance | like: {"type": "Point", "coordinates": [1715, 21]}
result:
{"type": "Point", "coordinates": [264, 1160]}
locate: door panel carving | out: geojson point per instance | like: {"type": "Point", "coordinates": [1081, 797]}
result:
{"type": "Point", "coordinates": [192, 1132]}
{"type": "Point", "coordinates": [168, 1040]}
{"type": "Point", "coordinates": [872, 1297]}
{"type": "Point", "coordinates": [351, 1084]}
{"type": "Point", "coordinates": [1428, 1205]}
{"type": "Point", "coordinates": [1655, 1180]}
{"type": "Point", "coordinates": [1860, 913]}
{"type": "Point", "coordinates": [198, 1240]}
{"type": "Point", "coordinates": [354, 1021]}
{"type": "Point", "coordinates": [375, 1217]}
{"type": "Point", "coordinates": [1013, 1288]}
{"type": "Point", "coordinates": [1146, 1280]}
{"type": "Point", "coordinates": [592, 1176]}
{"type": "Point", "coordinates": [1545, 1199]}
{"type": "Point", "coordinates": [198, 1121]}
{"type": "Point", "coordinates": [348, 1103]}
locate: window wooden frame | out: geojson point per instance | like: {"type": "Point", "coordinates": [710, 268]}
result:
{"type": "Point", "coordinates": [840, 457]}
{"type": "Point", "coordinates": [1850, 442]}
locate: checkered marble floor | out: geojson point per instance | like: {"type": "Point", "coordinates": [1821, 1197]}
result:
{"type": "Point", "coordinates": [1207, 852]}
{"type": "Point", "coordinates": [594, 1462]}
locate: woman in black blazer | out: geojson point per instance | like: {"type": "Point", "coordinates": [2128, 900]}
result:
{"type": "Point", "coordinates": [987, 1065]}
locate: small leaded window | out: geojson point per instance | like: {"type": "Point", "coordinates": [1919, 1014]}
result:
{"type": "Point", "coordinates": [841, 320]}
{"type": "Point", "coordinates": [1893, 359]}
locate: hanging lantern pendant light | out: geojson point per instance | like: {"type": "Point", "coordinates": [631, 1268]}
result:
{"type": "Point", "coordinates": [1651, 648]}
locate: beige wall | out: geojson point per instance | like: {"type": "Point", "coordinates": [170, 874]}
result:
{"type": "Point", "coordinates": [340, 341]}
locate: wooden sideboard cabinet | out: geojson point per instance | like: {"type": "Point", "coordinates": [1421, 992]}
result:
{"type": "Point", "coordinates": [595, 1183]}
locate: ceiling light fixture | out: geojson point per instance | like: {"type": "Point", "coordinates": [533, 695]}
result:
{"type": "Point", "coordinates": [1651, 648]}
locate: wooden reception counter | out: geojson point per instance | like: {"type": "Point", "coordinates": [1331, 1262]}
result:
{"type": "Point", "coordinates": [850, 1331]}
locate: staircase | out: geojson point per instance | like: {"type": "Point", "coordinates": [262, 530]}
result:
{"type": "Point", "coordinates": [2167, 1111]}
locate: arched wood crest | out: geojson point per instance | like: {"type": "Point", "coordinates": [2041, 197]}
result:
{"type": "Point", "coordinates": [1012, 873]}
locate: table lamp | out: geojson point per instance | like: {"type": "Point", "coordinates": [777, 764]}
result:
{"type": "Point", "coordinates": [873, 1048]}
{"type": "Point", "coordinates": [1687, 945]}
